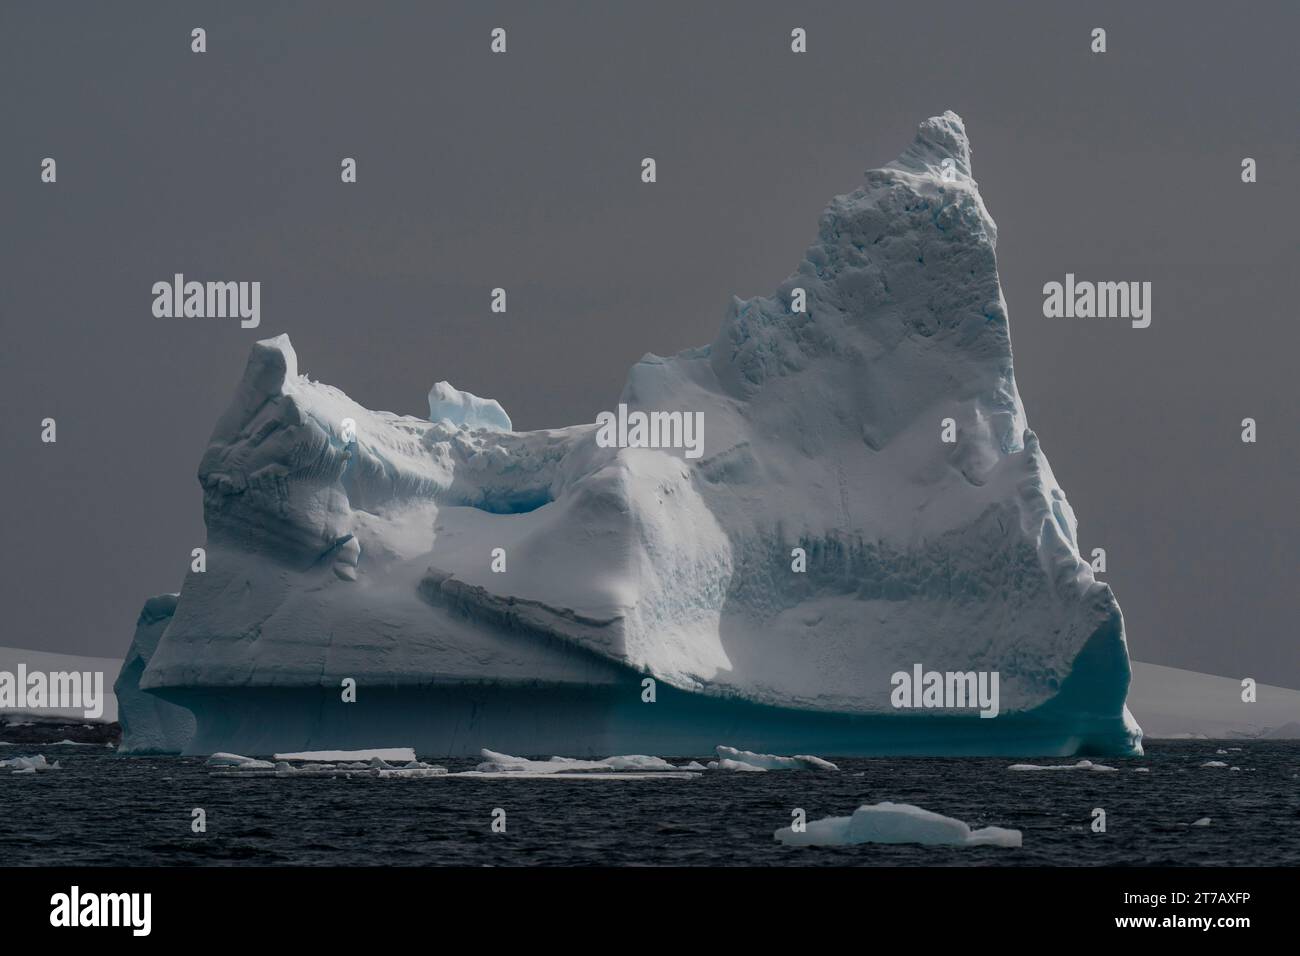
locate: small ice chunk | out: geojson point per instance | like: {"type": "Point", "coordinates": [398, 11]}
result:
{"type": "Point", "coordinates": [1081, 765]}
{"type": "Point", "coordinates": [693, 765]}
{"type": "Point", "coordinates": [390, 754]}
{"type": "Point", "coordinates": [1214, 763]}
{"type": "Point", "coordinates": [896, 823]}
{"type": "Point", "coordinates": [1203, 822]}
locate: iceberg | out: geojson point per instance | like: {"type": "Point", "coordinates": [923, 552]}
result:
{"type": "Point", "coordinates": [555, 592]}
{"type": "Point", "coordinates": [895, 823]}
{"type": "Point", "coordinates": [150, 725]}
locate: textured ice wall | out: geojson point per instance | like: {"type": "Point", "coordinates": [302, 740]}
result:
{"type": "Point", "coordinates": [150, 725]}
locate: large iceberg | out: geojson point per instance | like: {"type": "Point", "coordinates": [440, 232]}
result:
{"type": "Point", "coordinates": [549, 593]}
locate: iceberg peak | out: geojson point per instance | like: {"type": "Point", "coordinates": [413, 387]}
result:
{"type": "Point", "coordinates": [937, 139]}
{"type": "Point", "coordinates": [450, 404]}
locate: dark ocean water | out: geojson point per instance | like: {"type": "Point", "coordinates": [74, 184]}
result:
{"type": "Point", "coordinates": [101, 809]}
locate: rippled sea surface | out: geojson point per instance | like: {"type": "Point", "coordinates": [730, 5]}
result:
{"type": "Point", "coordinates": [102, 809]}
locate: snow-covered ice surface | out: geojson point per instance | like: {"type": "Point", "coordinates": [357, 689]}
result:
{"type": "Point", "coordinates": [349, 543]}
{"type": "Point", "coordinates": [1081, 765]}
{"type": "Point", "coordinates": [1171, 702]}
{"type": "Point", "coordinates": [895, 823]}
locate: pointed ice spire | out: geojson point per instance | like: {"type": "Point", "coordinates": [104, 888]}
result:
{"type": "Point", "coordinates": [938, 138]}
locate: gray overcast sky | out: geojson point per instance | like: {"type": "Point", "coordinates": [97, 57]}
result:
{"type": "Point", "coordinates": [522, 171]}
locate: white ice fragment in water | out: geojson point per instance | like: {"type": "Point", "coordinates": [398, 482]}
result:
{"type": "Point", "coordinates": [730, 755]}
{"type": "Point", "coordinates": [735, 766]}
{"type": "Point", "coordinates": [391, 754]}
{"type": "Point", "coordinates": [238, 762]}
{"type": "Point", "coordinates": [896, 823]}
{"type": "Point", "coordinates": [638, 762]}
{"type": "Point", "coordinates": [494, 762]}
{"type": "Point", "coordinates": [1203, 822]}
{"type": "Point", "coordinates": [30, 764]}
{"type": "Point", "coordinates": [1214, 763]}
{"type": "Point", "coordinates": [1081, 765]}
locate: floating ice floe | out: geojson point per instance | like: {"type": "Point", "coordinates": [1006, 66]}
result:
{"type": "Point", "coordinates": [626, 767]}
{"type": "Point", "coordinates": [693, 765]}
{"type": "Point", "coordinates": [499, 763]}
{"type": "Point", "coordinates": [895, 823]}
{"type": "Point", "coordinates": [729, 758]}
{"type": "Point", "coordinates": [1081, 765]}
{"type": "Point", "coordinates": [238, 762]}
{"type": "Point", "coordinates": [374, 767]}
{"type": "Point", "coordinates": [389, 754]}
{"type": "Point", "coordinates": [736, 766]}
{"type": "Point", "coordinates": [37, 764]}
{"type": "Point", "coordinates": [1203, 822]}
{"type": "Point", "coordinates": [617, 775]}
{"type": "Point", "coordinates": [1214, 763]}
